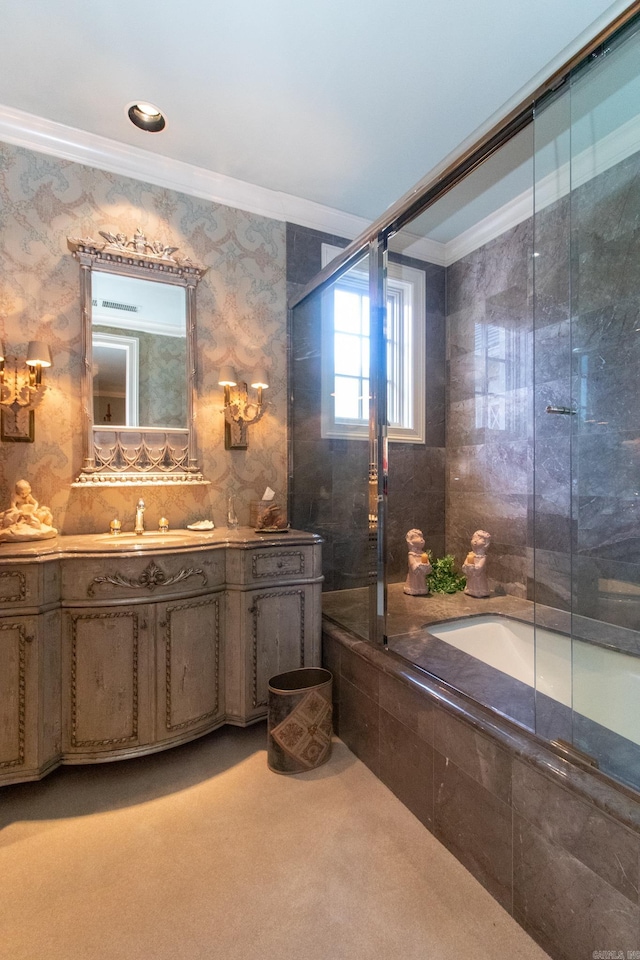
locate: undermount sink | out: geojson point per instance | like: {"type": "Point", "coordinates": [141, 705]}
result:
{"type": "Point", "coordinates": [149, 537]}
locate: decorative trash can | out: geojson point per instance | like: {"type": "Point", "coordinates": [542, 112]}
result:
{"type": "Point", "coordinates": [300, 712]}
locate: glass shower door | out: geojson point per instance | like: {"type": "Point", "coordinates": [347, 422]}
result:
{"type": "Point", "coordinates": [586, 509]}
{"type": "Point", "coordinates": [605, 370]}
{"type": "Point", "coordinates": [329, 486]}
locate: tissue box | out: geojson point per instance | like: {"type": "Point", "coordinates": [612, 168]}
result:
{"type": "Point", "coordinates": [266, 515]}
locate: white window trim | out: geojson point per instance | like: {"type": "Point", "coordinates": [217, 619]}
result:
{"type": "Point", "coordinates": [403, 277]}
{"type": "Point", "coordinates": [130, 345]}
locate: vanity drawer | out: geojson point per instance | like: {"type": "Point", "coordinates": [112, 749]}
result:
{"type": "Point", "coordinates": [143, 577]}
{"type": "Point", "coordinates": [271, 564]}
{"type": "Point", "coordinates": [28, 585]}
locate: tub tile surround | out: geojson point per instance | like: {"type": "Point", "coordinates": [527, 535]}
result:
{"type": "Point", "coordinates": [474, 824]}
{"type": "Point", "coordinates": [553, 347]}
{"type": "Point", "coordinates": [605, 847]}
{"type": "Point", "coordinates": [488, 291]}
{"type": "Point", "coordinates": [408, 627]}
{"type": "Point", "coordinates": [329, 488]}
{"type": "Point", "coordinates": [557, 847]}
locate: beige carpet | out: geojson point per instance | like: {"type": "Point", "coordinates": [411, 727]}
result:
{"type": "Point", "coordinates": [201, 852]}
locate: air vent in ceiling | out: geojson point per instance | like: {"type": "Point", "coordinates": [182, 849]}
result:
{"type": "Point", "coordinates": [113, 305]}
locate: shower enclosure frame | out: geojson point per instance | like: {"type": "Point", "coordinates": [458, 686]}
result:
{"type": "Point", "coordinates": [373, 241]}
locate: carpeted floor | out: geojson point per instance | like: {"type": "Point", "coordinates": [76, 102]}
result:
{"type": "Point", "coordinates": [202, 852]}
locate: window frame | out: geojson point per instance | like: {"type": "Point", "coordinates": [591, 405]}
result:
{"type": "Point", "coordinates": [402, 281]}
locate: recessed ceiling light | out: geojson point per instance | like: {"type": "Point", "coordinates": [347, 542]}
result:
{"type": "Point", "coordinates": [146, 116]}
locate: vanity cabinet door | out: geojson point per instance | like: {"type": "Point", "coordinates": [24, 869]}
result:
{"type": "Point", "coordinates": [18, 697]}
{"type": "Point", "coordinates": [188, 666]}
{"type": "Point", "coordinates": [281, 631]}
{"type": "Point", "coordinates": [106, 670]}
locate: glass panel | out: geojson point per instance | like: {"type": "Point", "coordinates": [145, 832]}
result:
{"type": "Point", "coordinates": [551, 515]}
{"type": "Point", "coordinates": [347, 354]}
{"type": "Point", "coordinates": [348, 398]}
{"type": "Point", "coordinates": [473, 473]}
{"type": "Point", "coordinates": [330, 477]}
{"type": "Point", "coordinates": [605, 293]}
{"type": "Point", "coordinates": [526, 477]}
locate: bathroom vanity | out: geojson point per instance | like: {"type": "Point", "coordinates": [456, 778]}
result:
{"type": "Point", "coordinates": [114, 647]}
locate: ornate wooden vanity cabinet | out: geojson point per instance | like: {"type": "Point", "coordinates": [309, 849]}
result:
{"type": "Point", "coordinates": [111, 650]}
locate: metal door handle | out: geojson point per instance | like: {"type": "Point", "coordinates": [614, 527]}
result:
{"type": "Point", "coordinates": [565, 411]}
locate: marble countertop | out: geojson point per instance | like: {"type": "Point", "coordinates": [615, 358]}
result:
{"type": "Point", "coordinates": [152, 541]}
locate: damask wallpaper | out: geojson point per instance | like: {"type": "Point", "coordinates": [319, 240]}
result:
{"type": "Point", "coordinates": [241, 305]}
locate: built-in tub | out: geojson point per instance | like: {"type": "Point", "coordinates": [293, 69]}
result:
{"type": "Point", "coordinates": [597, 682]}
{"type": "Point", "coordinates": [562, 688]}
{"type": "Point", "coordinates": [555, 842]}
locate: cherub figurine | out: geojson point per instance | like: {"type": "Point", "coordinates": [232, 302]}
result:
{"type": "Point", "coordinates": [26, 519]}
{"type": "Point", "coordinates": [419, 566]}
{"type": "Point", "coordinates": [474, 566]}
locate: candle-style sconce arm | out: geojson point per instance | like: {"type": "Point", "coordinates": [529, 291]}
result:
{"type": "Point", "coordinates": [239, 411]}
{"type": "Point", "coordinates": [21, 388]}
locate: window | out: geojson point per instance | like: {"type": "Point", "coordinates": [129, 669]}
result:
{"type": "Point", "coordinates": [116, 367]}
{"type": "Point", "coordinates": [345, 353]}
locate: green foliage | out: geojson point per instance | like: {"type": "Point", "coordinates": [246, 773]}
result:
{"type": "Point", "coordinates": [443, 578]}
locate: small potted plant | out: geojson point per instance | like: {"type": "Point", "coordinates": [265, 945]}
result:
{"type": "Point", "coordinates": [443, 577]}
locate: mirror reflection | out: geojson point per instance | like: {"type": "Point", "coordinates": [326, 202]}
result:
{"type": "Point", "coordinates": [139, 348]}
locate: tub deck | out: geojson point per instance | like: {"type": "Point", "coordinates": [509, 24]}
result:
{"type": "Point", "coordinates": [408, 624]}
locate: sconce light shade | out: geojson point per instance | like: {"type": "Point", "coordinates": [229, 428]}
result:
{"type": "Point", "coordinates": [227, 377]}
{"type": "Point", "coordinates": [260, 379]}
{"type": "Point", "coordinates": [38, 353]}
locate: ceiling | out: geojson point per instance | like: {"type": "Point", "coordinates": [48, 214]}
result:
{"type": "Point", "coordinates": [344, 103]}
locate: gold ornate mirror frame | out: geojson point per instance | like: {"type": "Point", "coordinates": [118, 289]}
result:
{"type": "Point", "coordinates": [124, 455]}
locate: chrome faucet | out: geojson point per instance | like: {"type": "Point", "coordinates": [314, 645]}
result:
{"type": "Point", "coordinates": [139, 527]}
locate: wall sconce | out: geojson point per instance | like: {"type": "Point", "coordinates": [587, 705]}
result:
{"type": "Point", "coordinates": [239, 412]}
{"type": "Point", "coordinates": [21, 390]}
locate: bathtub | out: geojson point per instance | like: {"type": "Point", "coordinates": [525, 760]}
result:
{"type": "Point", "coordinates": [593, 681]}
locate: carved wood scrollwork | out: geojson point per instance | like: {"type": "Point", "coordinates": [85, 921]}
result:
{"type": "Point", "coordinates": [151, 577]}
{"type": "Point", "coordinates": [254, 611]}
{"type": "Point", "coordinates": [292, 560]}
{"type": "Point", "coordinates": [76, 741]}
{"type": "Point", "coordinates": [214, 603]}
{"type": "Point", "coordinates": [18, 594]}
{"type": "Point", "coordinates": [22, 685]}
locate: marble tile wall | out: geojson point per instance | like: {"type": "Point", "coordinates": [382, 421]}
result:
{"type": "Point", "coordinates": [329, 478]}
{"type": "Point", "coordinates": [489, 450]}
{"type": "Point", "coordinates": [417, 471]}
{"type": "Point", "coordinates": [522, 332]}
{"type": "Point", "coordinates": [329, 485]}
{"type": "Point", "coordinates": [241, 304]}
{"type": "Point", "coordinates": [568, 326]}
{"type": "Point", "coordinates": [585, 504]}
{"type": "Point", "coordinates": [605, 291]}
{"type": "Point", "coordinates": [557, 848]}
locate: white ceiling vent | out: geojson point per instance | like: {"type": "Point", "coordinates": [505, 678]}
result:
{"type": "Point", "coordinates": [114, 305]}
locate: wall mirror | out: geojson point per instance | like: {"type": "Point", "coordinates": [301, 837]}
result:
{"type": "Point", "coordinates": [138, 330]}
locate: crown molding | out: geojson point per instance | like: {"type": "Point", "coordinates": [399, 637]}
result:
{"type": "Point", "coordinates": [26, 130]}
{"type": "Point", "coordinates": [497, 223]}
{"type": "Point", "coordinates": [601, 156]}
{"type": "Point", "coordinates": [68, 143]}
{"type": "Point", "coordinates": [422, 248]}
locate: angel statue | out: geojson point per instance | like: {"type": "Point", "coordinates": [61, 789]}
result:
{"type": "Point", "coordinates": [25, 519]}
